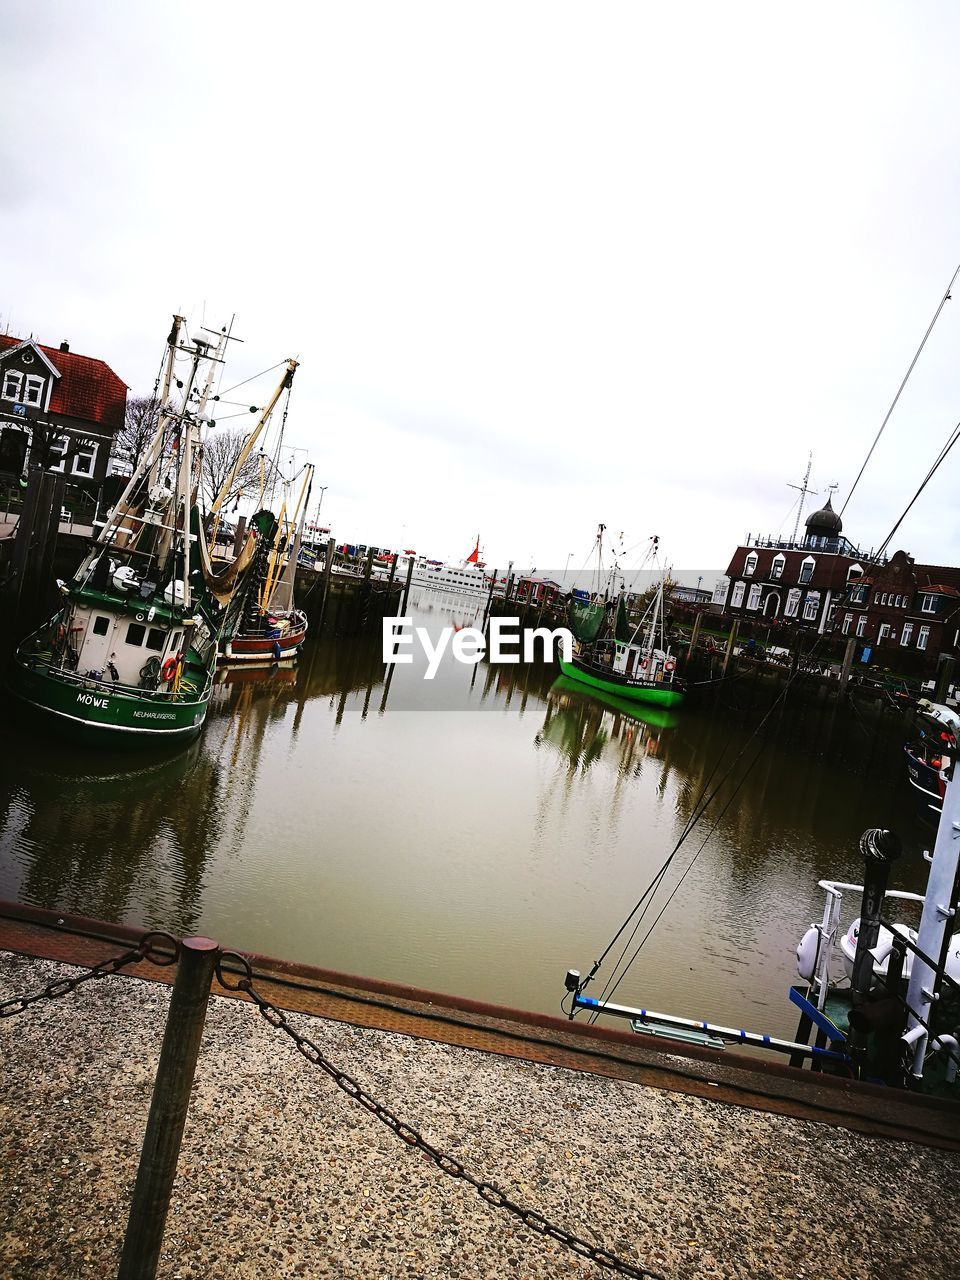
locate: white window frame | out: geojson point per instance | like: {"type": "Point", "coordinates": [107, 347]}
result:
{"type": "Point", "coordinates": [12, 384]}
{"type": "Point", "coordinates": [33, 389]}
{"type": "Point", "coordinates": [883, 631]}
{"type": "Point", "coordinates": [811, 606]}
{"type": "Point", "coordinates": [906, 635]}
{"type": "Point", "coordinates": [84, 451]}
{"type": "Point", "coordinates": [862, 626]}
{"type": "Point", "coordinates": [61, 444]}
{"type": "Point", "coordinates": [750, 565]}
{"type": "Point", "coordinates": [778, 565]}
{"type": "Point", "coordinates": [721, 590]}
{"type": "Point", "coordinates": [923, 636]}
{"type": "Point", "coordinates": [858, 594]}
{"type": "Point", "coordinates": [736, 598]}
{"type": "Point", "coordinates": [847, 624]}
{"type": "Point", "coordinates": [855, 571]}
{"type": "Point", "coordinates": [807, 564]}
{"type": "Point", "coordinates": [792, 606]}
{"type": "Point", "coordinates": [928, 604]}
{"type": "Point", "coordinates": [753, 599]}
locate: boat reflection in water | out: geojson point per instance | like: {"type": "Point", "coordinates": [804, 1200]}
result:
{"type": "Point", "coordinates": [582, 724]}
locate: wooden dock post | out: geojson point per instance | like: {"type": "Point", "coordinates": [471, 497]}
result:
{"type": "Point", "coordinates": [731, 641]}
{"type": "Point", "coordinates": [327, 572]}
{"type": "Point", "coordinates": [168, 1109]}
{"type": "Point", "coordinates": [17, 598]}
{"type": "Point", "coordinates": [486, 611]}
{"type": "Point", "coordinates": [944, 677]}
{"type": "Point", "coordinates": [848, 655]}
{"type": "Point", "coordinates": [406, 588]}
{"type": "Point", "coordinates": [240, 536]}
{"type": "Point", "coordinates": [695, 633]}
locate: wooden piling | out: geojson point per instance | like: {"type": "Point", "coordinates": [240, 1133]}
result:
{"type": "Point", "coordinates": [848, 656]}
{"type": "Point", "coordinates": [327, 572]}
{"type": "Point", "coordinates": [406, 588]}
{"type": "Point", "coordinates": [731, 641]}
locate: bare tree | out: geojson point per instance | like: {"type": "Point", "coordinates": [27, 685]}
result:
{"type": "Point", "coordinates": [220, 453]}
{"type": "Point", "coordinates": [139, 427]}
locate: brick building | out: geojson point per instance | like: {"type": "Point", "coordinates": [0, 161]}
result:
{"type": "Point", "coordinates": [58, 410]}
{"type": "Point", "coordinates": [826, 584]}
{"type": "Point", "coordinates": [773, 581]}
{"type": "Point", "coordinates": [902, 607]}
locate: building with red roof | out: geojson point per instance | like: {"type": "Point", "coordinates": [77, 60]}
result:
{"type": "Point", "coordinates": [895, 608]}
{"type": "Point", "coordinates": [58, 410]}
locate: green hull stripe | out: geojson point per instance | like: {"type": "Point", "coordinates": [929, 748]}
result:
{"type": "Point", "coordinates": [102, 712]}
{"type": "Point", "coordinates": [640, 693]}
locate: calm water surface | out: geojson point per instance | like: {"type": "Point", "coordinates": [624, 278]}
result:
{"type": "Point", "coordinates": [478, 834]}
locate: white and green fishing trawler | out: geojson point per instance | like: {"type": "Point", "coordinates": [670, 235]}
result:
{"type": "Point", "coordinates": [130, 655]}
{"type": "Point", "coordinates": [614, 656]}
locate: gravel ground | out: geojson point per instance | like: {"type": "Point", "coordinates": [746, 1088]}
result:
{"type": "Point", "coordinates": [281, 1175]}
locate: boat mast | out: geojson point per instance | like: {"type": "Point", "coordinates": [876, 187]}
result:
{"type": "Point", "coordinates": [184, 494]}
{"type": "Point", "coordinates": [285, 383]}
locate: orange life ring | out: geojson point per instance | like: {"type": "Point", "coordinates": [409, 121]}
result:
{"type": "Point", "coordinates": [643, 664]}
{"type": "Point", "coordinates": [669, 665]}
{"type": "Point", "coordinates": [169, 669]}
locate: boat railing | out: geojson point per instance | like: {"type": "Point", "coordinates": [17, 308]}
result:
{"type": "Point", "coordinates": [830, 925]}
{"type": "Point", "coordinates": [112, 686]}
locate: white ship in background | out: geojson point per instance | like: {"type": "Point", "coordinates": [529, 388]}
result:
{"type": "Point", "coordinates": [467, 578]}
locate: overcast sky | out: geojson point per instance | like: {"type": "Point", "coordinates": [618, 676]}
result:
{"type": "Point", "coordinates": [544, 264]}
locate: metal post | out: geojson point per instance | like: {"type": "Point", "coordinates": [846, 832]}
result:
{"type": "Point", "coordinates": [168, 1109]}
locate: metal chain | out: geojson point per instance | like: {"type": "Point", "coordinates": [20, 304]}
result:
{"type": "Point", "coordinates": [144, 950]}
{"type": "Point", "coordinates": [446, 1163]}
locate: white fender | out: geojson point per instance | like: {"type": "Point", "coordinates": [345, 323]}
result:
{"type": "Point", "coordinates": [807, 953]}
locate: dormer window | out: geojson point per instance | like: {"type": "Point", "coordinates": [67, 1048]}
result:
{"type": "Point", "coordinates": [750, 565]}
{"type": "Point", "coordinates": [32, 389]}
{"type": "Point", "coordinates": [779, 563]}
{"type": "Point", "coordinates": [806, 569]}
{"type": "Point", "coordinates": [854, 572]}
{"type": "Point", "coordinates": [858, 594]}
{"type": "Point", "coordinates": [928, 604]}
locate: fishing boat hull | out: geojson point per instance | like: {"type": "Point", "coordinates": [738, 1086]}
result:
{"type": "Point", "coordinates": [659, 694]}
{"type": "Point", "coordinates": [261, 648]}
{"type": "Point", "coordinates": [927, 783]}
{"type": "Point", "coordinates": [91, 711]}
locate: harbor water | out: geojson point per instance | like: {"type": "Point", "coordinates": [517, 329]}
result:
{"type": "Point", "coordinates": [476, 834]}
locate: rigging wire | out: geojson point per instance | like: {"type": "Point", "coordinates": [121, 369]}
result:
{"type": "Point", "coordinates": [940, 458]}
{"type": "Point", "coordinates": [698, 815]}
{"type": "Point", "coordinates": [936, 315]}
{"type": "Point", "coordinates": [608, 994]}
{"type": "Point", "coordinates": [253, 377]}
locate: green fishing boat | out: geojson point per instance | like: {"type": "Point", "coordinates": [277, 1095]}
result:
{"type": "Point", "coordinates": [130, 655]}
{"type": "Point", "coordinates": [614, 656]}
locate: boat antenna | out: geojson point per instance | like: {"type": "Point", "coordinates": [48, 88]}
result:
{"type": "Point", "coordinates": [893, 404]}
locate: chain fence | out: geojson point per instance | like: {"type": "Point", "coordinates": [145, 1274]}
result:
{"type": "Point", "coordinates": [146, 949]}
{"type": "Point", "coordinates": [162, 949]}
{"type": "Point", "coordinates": [407, 1134]}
